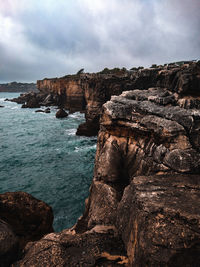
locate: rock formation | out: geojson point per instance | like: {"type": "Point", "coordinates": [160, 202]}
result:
{"type": "Point", "coordinates": [88, 92]}
{"type": "Point", "coordinates": [61, 113]}
{"type": "Point", "coordinates": [147, 176]}
{"type": "Point", "coordinates": [143, 208]}
{"type": "Point", "coordinates": [23, 218]}
{"type": "Point", "coordinates": [9, 244]}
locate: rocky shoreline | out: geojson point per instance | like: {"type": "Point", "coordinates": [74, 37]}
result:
{"type": "Point", "coordinates": [143, 208]}
{"type": "Point", "coordinates": [88, 92]}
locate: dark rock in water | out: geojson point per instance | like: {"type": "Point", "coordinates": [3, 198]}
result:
{"type": "Point", "coordinates": [61, 113]}
{"type": "Point", "coordinates": [101, 246]}
{"type": "Point", "coordinates": [47, 110]}
{"type": "Point", "coordinates": [1, 106]}
{"type": "Point", "coordinates": [32, 103]}
{"type": "Point", "coordinates": [9, 245]}
{"type": "Point", "coordinates": [29, 217]}
{"type": "Point", "coordinates": [40, 110]}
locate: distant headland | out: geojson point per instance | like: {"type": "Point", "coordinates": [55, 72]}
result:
{"type": "Point", "coordinates": [18, 87]}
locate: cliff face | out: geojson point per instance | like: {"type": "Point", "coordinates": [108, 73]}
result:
{"type": "Point", "coordinates": [143, 208]}
{"type": "Point", "coordinates": [146, 179]}
{"type": "Point", "coordinates": [88, 92]}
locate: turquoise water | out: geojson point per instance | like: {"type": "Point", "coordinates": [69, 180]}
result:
{"type": "Point", "coordinates": [41, 155]}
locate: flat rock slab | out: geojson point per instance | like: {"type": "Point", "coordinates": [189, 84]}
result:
{"type": "Point", "coordinates": [159, 219]}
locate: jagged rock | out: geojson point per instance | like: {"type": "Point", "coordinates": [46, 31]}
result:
{"type": "Point", "coordinates": [159, 220]}
{"type": "Point", "coordinates": [9, 245]}
{"type": "Point", "coordinates": [1, 106]}
{"type": "Point", "coordinates": [101, 246]}
{"type": "Point", "coordinates": [32, 103]}
{"type": "Point", "coordinates": [29, 217]}
{"type": "Point", "coordinates": [61, 113]}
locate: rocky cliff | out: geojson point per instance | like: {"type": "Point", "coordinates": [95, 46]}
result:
{"type": "Point", "coordinates": [143, 208]}
{"type": "Point", "coordinates": [88, 92]}
{"type": "Point", "coordinates": [147, 176]}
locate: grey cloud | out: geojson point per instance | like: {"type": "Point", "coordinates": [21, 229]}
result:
{"type": "Point", "coordinates": [74, 34]}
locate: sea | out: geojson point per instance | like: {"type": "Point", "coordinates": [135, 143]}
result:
{"type": "Point", "coordinates": [41, 155]}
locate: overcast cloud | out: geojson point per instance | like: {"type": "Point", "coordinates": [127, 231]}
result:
{"type": "Point", "coordinates": [50, 38]}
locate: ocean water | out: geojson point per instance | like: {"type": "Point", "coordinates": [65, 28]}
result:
{"type": "Point", "coordinates": [41, 155]}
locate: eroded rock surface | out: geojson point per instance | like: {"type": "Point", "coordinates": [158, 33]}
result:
{"type": "Point", "coordinates": [149, 133]}
{"type": "Point", "coordinates": [163, 226]}
{"type": "Point", "coordinates": [28, 217]}
{"type": "Point", "coordinates": [99, 247]}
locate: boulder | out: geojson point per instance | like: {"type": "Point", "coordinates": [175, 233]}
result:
{"type": "Point", "coordinates": [29, 217]}
{"type": "Point", "coordinates": [9, 245]}
{"type": "Point", "coordinates": [61, 113]}
{"type": "Point", "coordinates": [1, 106]}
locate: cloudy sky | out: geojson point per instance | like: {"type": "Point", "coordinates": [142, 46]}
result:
{"type": "Point", "coordinates": [51, 38]}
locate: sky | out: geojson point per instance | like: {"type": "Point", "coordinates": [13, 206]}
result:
{"type": "Point", "coordinates": [52, 38]}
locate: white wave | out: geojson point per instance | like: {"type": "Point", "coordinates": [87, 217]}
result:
{"type": "Point", "coordinates": [2, 99]}
{"type": "Point", "coordinates": [86, 148]}
{"type": "Point", "coordinates": [71, 131]}
{"type": "Point", "coordinates": [15, 108]}
{"type": "Point", "coordinates": [76, 115]}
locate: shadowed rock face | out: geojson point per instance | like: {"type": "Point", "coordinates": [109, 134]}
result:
{"type": "Point", "coordinates": [28, 217]}
{"type": "Point", "coordinates": [9, 245]}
